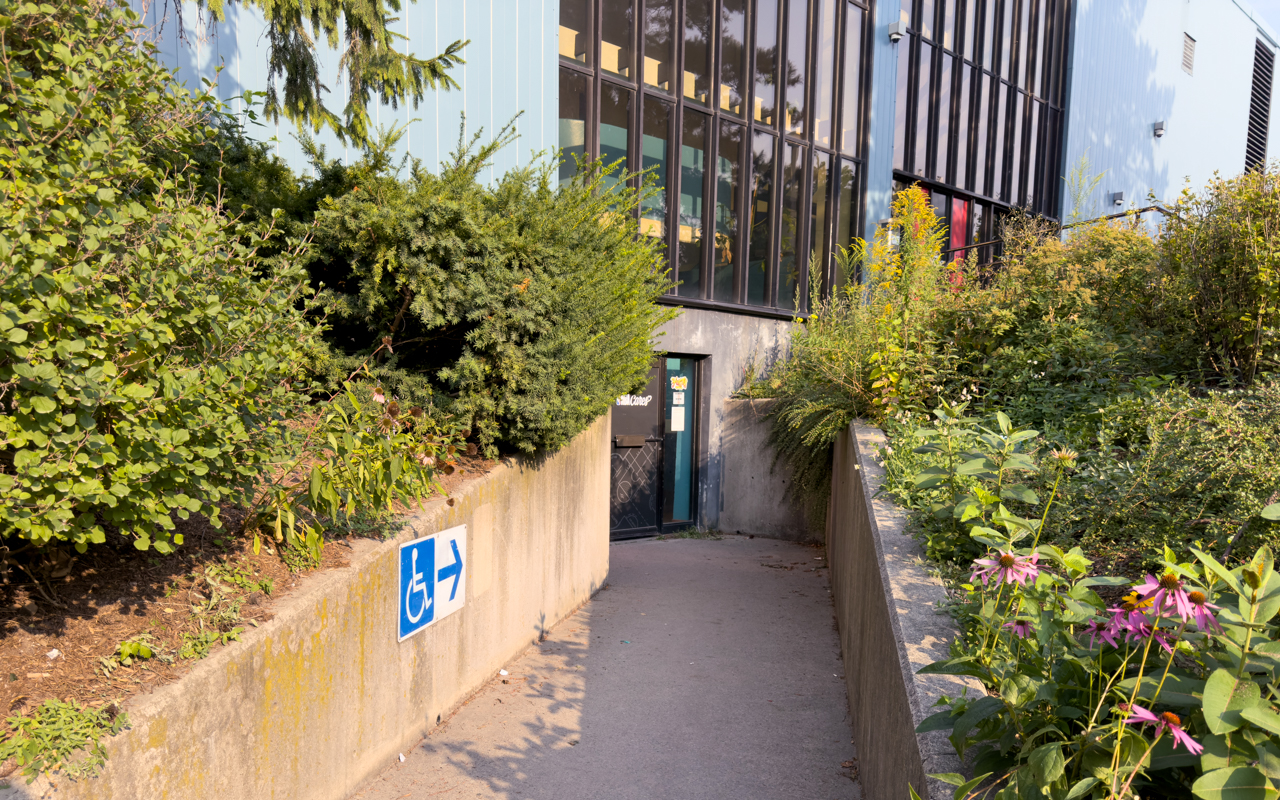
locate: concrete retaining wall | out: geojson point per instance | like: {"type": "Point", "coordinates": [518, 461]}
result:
{"type": "Point", "coordinates": [887, 610]}
{"type": "Point", "coordinates": [322, 697]}
{"type": "Point", "coordinates": [753, 487]}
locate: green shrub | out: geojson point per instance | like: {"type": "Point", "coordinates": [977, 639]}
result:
{"type": "Point", "coordinates": [524, 308]}
{"type": "Point", "coordinates": [145, 352]}
{"type": "Point", "coordinates": [1223, 245]}
{"type": "Point", "coordinates": [50, 738]}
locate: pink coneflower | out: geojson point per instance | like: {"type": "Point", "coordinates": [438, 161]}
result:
{"type": "Point", "coordinates": [1099, 630]}
{"type": "Point", "coordinates": [1007, 567]}
{"type": "Point", "coordinates": [1020, 627]}
{"type": "Point", "coordinates": [1167, 592]}
{"type": "Point", "coordinates": [1200, 606]}
{"type": "Point", "coordinates": [1168, 721]}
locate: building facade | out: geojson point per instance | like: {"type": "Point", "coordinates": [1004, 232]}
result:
{"type": "Point", "coordinates": [773, 132]}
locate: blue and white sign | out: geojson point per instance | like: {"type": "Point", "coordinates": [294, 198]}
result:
{"type": "Point", "coordinates": [433, 581]}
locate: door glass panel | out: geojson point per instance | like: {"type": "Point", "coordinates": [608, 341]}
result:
{"type": "Point", "coordinates": [615, 128]}
{"type": "Point", "coordinates": [761, 242]}
{"type": "Point", "coordinates": [728, 261]}
{"type": "Point", "coordinates": [733, 57]}
{"type": "Point", "coordinates": [681, 388]}
{"type": "Point", "coordinates": [575, 30]}
{"type": "Point", "coordinates": [764, 104]}
{"type": "Point", "coordinates": [797, 84]}
{"type": "Point", "coordinates": [848, 215]}
{"type": "Point", "coordinates": [574, 97]}
{"type": "Point", "coordinates": [851, 105]}
{"type": "Point", "coordinates": [824, 87]}
{"type": "Point", "coordinates": [659, 44]}
{"type": "Point", "coordinates": [655, 157]}
{"type": "Point", "coordinates": [696, 85]}
{"type": "Point", "coordinates": [636, 457]}
{"type": "Point", "coordinates": [617, 37]}
{"type": "Point", "coordinates": [789, 262]}
{"type": "Point", "coordinates": [693, 170]}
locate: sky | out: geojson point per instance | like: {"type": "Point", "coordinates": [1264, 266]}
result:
{"type": "Point", "coordinates": [1269, 10]}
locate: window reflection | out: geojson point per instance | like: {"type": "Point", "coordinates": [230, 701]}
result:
{"type": "Point", "coordinates": [574, 97]}
{"type": "Point", "coordinates": [797, 83]}
{"type": "Point", "coordinates": [820, 212]}
{"type": "Point", "coordinates": [733, 56]}
{"type": "Point", "coordinates": [655, 157]}
{"type": "Point", "coordinates": [948, 24]}
{"type": "Point", "coordinates": [943, 125]}
{"type": "Point", "coordinates": [615, 129]}
{"type": "Point", "coordinates": [729, 160]}
{"type": "Point", "coordinates": [789, 263]}
{"type": "Point", "coordinates": [924, 73]}
{"type": "Point", "coordinates": [900, 108]}
{"type": "Point", "coordinates": [1022, 45]}
{"type": "Point", "coordinates": [846, 219]}
{"type": "Point", "coordinates": [924, 23]}
{"type": "Point", "coordinates": [980, 143]}
{"type": "Point", "coordinates": [693, 170]}
{"type": "Point", "coordinates": [696, 85]}
{"type": "Point", "coordinates": [851, 105]}
{"type": "Point", "coordinates": [962, 127]}
{"type": "Point", "coordinates": [575, 30]}
{"type": "Point", "coordinates": [824, 80]}
{"type": "Point", "coordinates": [1015, 152]}
{"type": "Point", "coordinates": [997, 148]}
{"type": "Point", "coordinates": [1032, 132]}
{"type": "Point", "coordinates": [988, 45]}
{"type": "Point", "coordinates": [659, 44]}
{"type": "Point", "coordinates": [760, 246]}
{"type": "Point", "coordinates": [967, 46]}
{"type": "Point", "coordinates": [764, 104]}
{"type": "Point", "coordinates": [617, 36]}
{"type": "Point", "coordinates": [1006, 39]}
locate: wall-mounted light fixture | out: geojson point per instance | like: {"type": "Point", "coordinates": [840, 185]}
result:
{"type": "Point", "coordinates": [1158, 129]}
{"type": "Point", "coordinates": [896, 31]}
{"type": "Point", "coordinates": [1117, 198]}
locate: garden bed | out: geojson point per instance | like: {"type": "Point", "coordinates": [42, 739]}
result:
{"type": "Point", "coordinates": [181, 607]}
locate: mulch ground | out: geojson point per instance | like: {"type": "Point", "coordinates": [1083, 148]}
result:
{"type": "Point", "coordinates": [114, 593]}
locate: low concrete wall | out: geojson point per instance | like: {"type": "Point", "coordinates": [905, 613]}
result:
{"type": "Point", "coordinates": [887, 610]}
{"type": "Point", "coordinates": [753, 487]}
{"type": "Point", "coordinates": [322, 697]}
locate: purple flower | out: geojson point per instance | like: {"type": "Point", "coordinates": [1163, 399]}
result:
{"type": "Point", "coordinates": [1007, 567]}
{"type": "Point", "coordinates": [1168, 721]}
{"type": "Point", "coordinates": [1200, 606]}
{"type": "Point", "coordinates": [1167, 592]}
{"type": "Point", "coordinates": [1099, 630]}
{"type": "Point", "coordinates": [1130, 620]}
{"type": "Point", "coordinates": [1020, 627]}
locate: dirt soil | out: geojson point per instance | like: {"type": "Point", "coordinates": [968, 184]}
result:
{"type": "Point", "coordinates": [213, 582]}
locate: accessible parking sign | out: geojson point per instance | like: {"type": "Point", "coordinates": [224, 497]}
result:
{"type": "Point", "coordinates": [433, 582]}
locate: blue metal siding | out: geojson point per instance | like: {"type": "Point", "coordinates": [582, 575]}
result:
{"type": "Point", "coordinates": [511, 66]}
{"type": "Point", "coordinates": [884, 78]}
{"type": "Point", "coordinates": [1127, 75]}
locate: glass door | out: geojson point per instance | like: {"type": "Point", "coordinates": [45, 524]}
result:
{"type": "Point", "coordinates": [680, 383]}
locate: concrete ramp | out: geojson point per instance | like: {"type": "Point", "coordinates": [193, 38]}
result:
{"type": "Point", "coordinates": [705, 670]}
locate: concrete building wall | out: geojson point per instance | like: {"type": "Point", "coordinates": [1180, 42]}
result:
{"type": "Point", "coordinates": [510, 67]}
{"type": "Point", "coordinates": [733, 342]}
{"type": "Point", "coordinates": [754, 487]}
{"type": "Point", "coordinates": [1126, 74]}
{"type": "Point", "coordinates": [322, 697]}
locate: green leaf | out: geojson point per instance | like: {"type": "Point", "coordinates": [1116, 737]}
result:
{"type": "Point", "coordinates": [1232, 783]}
{"type": "Point", "coordinates": [1263, 717]}
{"type": "Point", "coordinates": [1271, 512]}
{"type": "Point", "coordinates": [1047, 763]}
{"type": "Point", "coordinates": [1082, 788]}
{"type": "Point", "coordinates": [1020, 493]}
{"type": "Point", "coordinates": [941, 721]}
{"type": "Point", "coordinates": [976, 466]}
{"type": "Point", "coordinates": [1225, 698]}
{"type": "Point", "coordinates": [983, 708]}
{"type": "Point", "coordinates": [1218, 570]}
{"type": "Point", "coordinates": [43, 405]}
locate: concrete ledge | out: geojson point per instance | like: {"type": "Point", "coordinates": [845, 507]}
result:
{"type": "Point", "coordinates": [323, 697]}
{"type": "Point", "coordinates": [887, 608]}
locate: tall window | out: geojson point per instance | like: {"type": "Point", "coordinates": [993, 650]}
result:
{"type": "Point", "coordinates": [745, 117]}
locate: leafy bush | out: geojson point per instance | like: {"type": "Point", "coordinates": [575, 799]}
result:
{"type": "Point", "coordinates": [1223, 244]}
{"type": "Point", "coordinates": [48, 739]}
{"type": "Point", "coordinates": [524, 308]}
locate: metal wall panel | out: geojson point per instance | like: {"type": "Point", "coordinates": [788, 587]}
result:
{"type": "Point", "coordinates": [880, 115]}
{"type": "Point", "coordinates": [1127, 74]}
{"type": "Point", "coordinates": [511, 66]}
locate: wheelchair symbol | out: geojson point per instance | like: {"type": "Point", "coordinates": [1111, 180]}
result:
{"type": "Point", "coordinates": [416, 584]}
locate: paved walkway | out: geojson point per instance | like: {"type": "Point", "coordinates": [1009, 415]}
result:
{"type": "Point", "coordinates": [704, 670]}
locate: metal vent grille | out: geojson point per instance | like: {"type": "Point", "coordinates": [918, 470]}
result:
{"type": "Point", "coordinates": [1255, 149]}
{"type": "Point", "coordinates": [1188, 54]}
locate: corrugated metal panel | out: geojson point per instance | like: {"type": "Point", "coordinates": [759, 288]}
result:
{"type": "Point", "coordinates": [511, 67]}
{"type": "Point", "coordinates": [1255, 149]}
